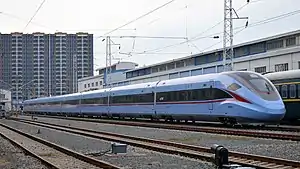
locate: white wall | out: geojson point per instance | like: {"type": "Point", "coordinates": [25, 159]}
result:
{"type": "Point", "coordinates": [88, 81]}
{"type": "Point", "coordinates": [269, 59]}
{"type": "Point", "coordinates": [117, 76]}
{"type": "Point", "coordinates": [6, 99]}
{"type": "Point", "coordinates": [125, 65]}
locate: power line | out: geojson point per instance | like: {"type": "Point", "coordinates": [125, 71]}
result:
{"type": "Point", "coordinates": [240, 8]}
{"type": "Point", "coordinates": [147, 37]}
{"type": "Point", "coordinates": [95, 30]}
{"type": "Point", "coordinates": [154, 53]}
{"type": "Point", "coordinates": [140, 17]}
{"type": "Point", "coordinates": [265, 21]}
{"type": "Point", "coordinates": [66, 30]}
{"type": "Point", "coordinates": [34, 14]}
{"type": "Point", "coordinates": [25, 20]}
{"type": "Point", "coordinates": [197, 36]}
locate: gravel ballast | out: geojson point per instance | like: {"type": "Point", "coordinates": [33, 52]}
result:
{"type": "Point", "coordinates": [267, 147]}
{"type": "Point", "coordinates": [51, 155]}
{"type": "Point", "coordinates": [135, 158]}
{"type": "Point", "coordinates": [13, 157]}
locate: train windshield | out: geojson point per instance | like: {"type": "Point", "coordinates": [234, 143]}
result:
{"type": "Point", "coordinates": [258, 84]}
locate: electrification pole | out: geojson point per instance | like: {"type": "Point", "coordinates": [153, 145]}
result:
{"type": "Point", "coordinates": [109, 43]}
{"type": "Point", "coordinates": [228, 34]}
{"type": "Point", "coordinates": [108, 60]}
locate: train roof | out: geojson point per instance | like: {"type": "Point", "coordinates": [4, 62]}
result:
{"type": "Point", "coordinates": [291, 74]}
{"type": "Point", "coordinates": [53, 98]}
{"type": "Point", "coordinates": [95, 93]}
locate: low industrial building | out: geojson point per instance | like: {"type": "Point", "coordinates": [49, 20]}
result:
{"type": "Point", "coordinates": [272, 54]}
{"type": "Point", "coordinates": [5, 100]}
{"type": "Point", "coordinates": [99, 81]}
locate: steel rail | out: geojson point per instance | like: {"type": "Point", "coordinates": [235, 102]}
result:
{"type": "Point", "coordinates": [28, 152]}
{"type": "Point", "coordinates": [227, 131]}
{"type": "Point", "coordinates": [90, 160]}
{"type": "Point", "coordinates": [197, 152]}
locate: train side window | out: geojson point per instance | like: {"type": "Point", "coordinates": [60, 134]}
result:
{"type": "Point", "coordinates": [207, 94]}
{"type": "Point", "coordinates": [162, 97]}
{"type": "Point", "coordinates": [220, 94]}
{"type": "Point", "coordinates": [292, 91]}
{"type": "Point", "coordinates": [173, 96]}
{"type": "Point", "coordinates": [183, 96]}
{"type": "Point", "coordinates": [284, 91]}
{"type": "Point", "coordinates": [298, 90]}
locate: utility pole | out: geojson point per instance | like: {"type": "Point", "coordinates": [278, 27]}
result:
{"type": "Point", "coordinates": [108, 70]}
{"type": "Point", "coordinates": [228, 34]}
{"type": "Point", "coordinates": [75, 74]}
{"type": "Point", "coordinates": [108, 61]}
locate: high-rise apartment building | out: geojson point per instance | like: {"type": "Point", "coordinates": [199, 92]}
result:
{"type": "Point", "coordinates": [38, 64]}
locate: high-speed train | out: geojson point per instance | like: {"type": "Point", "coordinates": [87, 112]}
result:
{"type": "Point", "coordinates": [228, 97]}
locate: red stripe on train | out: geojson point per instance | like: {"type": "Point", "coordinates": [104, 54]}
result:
{"type": "Point", "coordinates": [159, 103]}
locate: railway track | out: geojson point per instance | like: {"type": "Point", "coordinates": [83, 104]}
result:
{"type": "Point", "coordinates": [202, 124]}
{"type": "Point", "coordinates": [50, 154]}
{"type": "Point", "coordinates": [228, 131]}
{"type": "Point", "coordinates": [196, 152]}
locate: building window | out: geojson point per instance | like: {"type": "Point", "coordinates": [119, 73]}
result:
{"type": "Point", "coordinates": [162, 68]}
{"type": "Point", "coordinates": [281, 67]}
{"type": "Point", "coordinates": [257, 48]}
{"type": "Point", "coordinates": [100, 82]}
{"type": "Point", "coordinates": [2, 96]}
{"type": "Point", "coordinates": [84, 85]}
{"type": "Point", "coordinates": [171, 66]}
{"type": "Point", "coordinates": [275, 44]}
{"type": "Point", "coordinates": [240, 51]}
{"type": "Point", "coordinates": [155, 69]}
{"type": "Point", "coordinates": [179, 64]}
{"type": "Point", "coordinates": [262, 69]}
{"type": "Point", "coordinates": [189, 62]}
{"type": "Point", "coordinates": [96, 83]}
{"type": "Point", "coordinates": [290, 41]}
{"type": "Point", "coordinates": [298, 64]}
{"type": "Point", "coordinates": [93, 84]}
{"type": "Point", "coordinates": [88, 85]}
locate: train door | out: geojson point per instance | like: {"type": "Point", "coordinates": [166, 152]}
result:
{"type": "Point", "coordinates": [154, 100]}
{"type": "Point", "coordinates": [210, 94]}
{"type": "Point", "coordinates": [79, 103]}
{"type": "Point", "coordinates": [109, 114]}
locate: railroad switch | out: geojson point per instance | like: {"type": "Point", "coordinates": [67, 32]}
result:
{"type": "Point", "coordinates": [220, 158]}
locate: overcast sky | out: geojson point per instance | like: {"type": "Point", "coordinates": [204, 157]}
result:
{"type": "Point", "coordinates": [178, 19]}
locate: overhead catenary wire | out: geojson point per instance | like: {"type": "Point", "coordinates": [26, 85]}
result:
{"type": "Point", "coordinates": [196, 37]}
{"type": "Point", "coordinates": [142, 16]}
{"type": "Point", "coordinates": [265, 21]}
{"type": "Point", "coordinates": [34, 14]}
{"type": "Point", "coordinates": [62, 30]}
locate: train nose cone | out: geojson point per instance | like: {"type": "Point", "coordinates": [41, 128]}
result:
{"type": "Point", "coordinates": [276, 110]}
